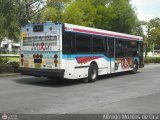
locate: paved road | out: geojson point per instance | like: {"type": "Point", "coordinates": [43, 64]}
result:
{"type": "Point", "coordinates": [120, 93]}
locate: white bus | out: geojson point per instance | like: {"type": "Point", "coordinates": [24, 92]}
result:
{"type": "Point", "coordinates": [70, 51]}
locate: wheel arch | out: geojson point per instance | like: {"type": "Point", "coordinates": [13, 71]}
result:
{"type": "Point", "coordinates": [93, 67]}
{"type": "Point", "coordinates": [95, 63]}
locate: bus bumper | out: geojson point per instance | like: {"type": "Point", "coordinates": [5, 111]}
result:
{"type": "Point", "coordinates": [42, 72]}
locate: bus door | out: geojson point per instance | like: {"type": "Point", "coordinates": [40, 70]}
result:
{"type": "Point", "coordinates": [141, 63]}
{"type": "Point", "coordinates": [111, 55]}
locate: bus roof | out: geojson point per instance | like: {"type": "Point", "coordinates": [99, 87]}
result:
{"type": "Point", "coordinates": [88, 30]}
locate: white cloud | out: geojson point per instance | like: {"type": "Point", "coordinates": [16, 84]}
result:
{"type": "Point", "coordinates": [146, 9]}
{"type": "Point", "coordinates": [142, 16]}
{"type": "Point", "coordinates": [144, 2]}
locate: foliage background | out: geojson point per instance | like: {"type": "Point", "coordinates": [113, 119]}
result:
{"type": "Point", "coordinates": [114, 15]}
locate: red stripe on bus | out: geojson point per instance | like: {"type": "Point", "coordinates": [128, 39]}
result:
{"type": "Point", "coordinates": [99, 33]}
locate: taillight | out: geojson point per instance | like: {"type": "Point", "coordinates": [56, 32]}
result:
{"type": "Point", "coordinates": [55, 61]}
{"type": "Point", "coordinates": [34, 56]}
{"type": "Point", "coordinates": [22, 55]}
{"type": "Point", "coordinates": [55, 56]}
{"type": "Point", "coordinates": [38, 55]}
{"type": "Point", "coordinates": [41, 56]}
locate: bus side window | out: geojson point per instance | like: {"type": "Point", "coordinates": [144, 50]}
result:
{"type": "Point", "coordinates": [68, 43]}
{"type": "Point", "coordinates": [127, 48]}
{"type": "Point", "coordinates": [119, 48]}
{"type": "Point", "coordinates": [131, 48]}
{"type": "Point", "coordinates": [135, 48]}
{"type": "Point", "coordinates": [98, 44]}
{"type": "Point", "coordinates": [83, 43]}
{"type": "Point", "coordinates": [106, 46]}
{"type": "Point", "coordinates": [111, 47]}
{"type": "Point", "coordinates": [141, 49]}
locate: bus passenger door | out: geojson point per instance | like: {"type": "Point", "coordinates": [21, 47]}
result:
{"type": "Point", "coordinates": [141, 60]}
{"type": "Point", "coordinates": [111, 55]}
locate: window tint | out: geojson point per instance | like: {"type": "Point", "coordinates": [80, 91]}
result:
{"type": "Point", "coordinates": [131, 48]}
{"type": "Point", "coordinates": [98, 44]}
{"type": "Point", "coordinates": [141, 48]}
{"type": "Point", "coordinates": [111, 47]}
{"type": "Point", "coordinates": [68, 44]}
{"type": "Point", "coordinates": [83, 43]}
{"type": "Point", "coordinates": [119, 47]}
{"type": "Point", "coordinates": [106, 45]}
{"type": "Point", "coordinates": [141, 59]}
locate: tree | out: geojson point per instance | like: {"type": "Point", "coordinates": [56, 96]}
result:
{"type": "Point", "coordinates": [80, 12]}
{"type": "Point", "coordinates": [114, 15]}
{"type": "Point", "coordinates": [14, 13]}
{"type": "Point", "coordinates": [125, 19]}
{"type": "Point", "coordinates": [153, 33]}
{"type": "Point", "coordinates": [28, 9]}
{"type": "Point", "coordinates": [9, 24]}
{"type": "Point", "coordinates": [52, 11]}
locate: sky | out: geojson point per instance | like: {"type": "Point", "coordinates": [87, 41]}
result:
{"type": "Point", "coordinates": [146, 9]}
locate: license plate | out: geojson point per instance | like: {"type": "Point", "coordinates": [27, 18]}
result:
{"type": "Point", "coordinates": [37, 65]}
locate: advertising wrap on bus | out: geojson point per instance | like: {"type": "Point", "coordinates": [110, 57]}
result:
{"type": "Point", "coordinates": [71, 51]}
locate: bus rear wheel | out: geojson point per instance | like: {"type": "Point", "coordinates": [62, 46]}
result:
{"type": "Point", "coordinates": [92, 73]}
{"type": "Point", "coordinates": [53, 78]}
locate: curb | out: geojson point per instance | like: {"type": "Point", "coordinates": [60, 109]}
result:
{"type": "Point", "coordinates": [151, 64]}
{"type": "Point", "coordinates": [9, 74]}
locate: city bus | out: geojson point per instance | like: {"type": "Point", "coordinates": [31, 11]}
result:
{"type": "Point", "coordinates": [73, 52]}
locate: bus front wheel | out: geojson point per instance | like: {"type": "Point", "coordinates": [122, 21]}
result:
{"type": "Point", "coordinates": [92, 73]}
{"type": "Point", "coordinates": [135, 68]}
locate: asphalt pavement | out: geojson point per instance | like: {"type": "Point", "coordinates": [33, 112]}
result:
{"type": "Point", "coordinates": [118, 93]}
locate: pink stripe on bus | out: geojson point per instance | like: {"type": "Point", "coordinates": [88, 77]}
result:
{"type": "Point", "coordinates": [100, 33]}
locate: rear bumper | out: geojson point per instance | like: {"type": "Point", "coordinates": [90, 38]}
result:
{"type": "Point", "coordinates": [42, 72]}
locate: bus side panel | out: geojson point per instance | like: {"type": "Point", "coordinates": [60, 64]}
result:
{"type": "Point", "coordinates": [111, 65]}
{"type": "Point", "coordinates": [103, 67]}
{"type": "Point", "coordinates": [69, 69]}
{"type": "Point", "coordinates": [77, 67]}
{"type": "Point", "coordinates": [124, 64]}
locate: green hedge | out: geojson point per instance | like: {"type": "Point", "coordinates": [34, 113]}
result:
{"type": "Point", "coordinates": [8, 66]}
{"type": "Point", "coordinates": [14, 65]}
{"type": "Point", "coordinates": [4, 68]}
{"type": "Point", "coordinates": [152, 60]}
{"type": "Point", "coordinates": [3, 59]}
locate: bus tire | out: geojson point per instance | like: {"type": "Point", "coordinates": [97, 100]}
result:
{"type": "Point", "coordinates": [37, 76]}
{"type": "Point", "coordinates": [53, 78]}
{"type": "Point", "coordinates": [135, 68]}
{"type": "Point", "coordinates": [92, 73]}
